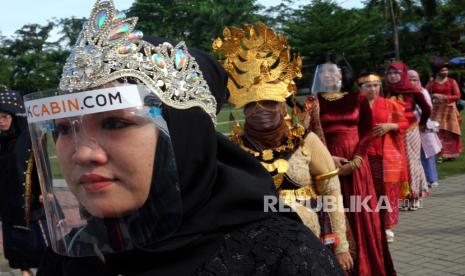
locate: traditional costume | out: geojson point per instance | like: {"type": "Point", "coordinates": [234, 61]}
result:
{"type": "Point", "coordinates": [409, 96]}
{"type": "Point", "coordinates": [388, 162]}
{"type": "Point", "coordinates": [23, 219]}
{"type": "Point", "coordinates": [446, 113]}
{"type": "Point", "coordinates": [260, 68]}
{"type": "Point", "coordinates": [345, 122]}
{"type": "Point", "coordinates": [430, 142]}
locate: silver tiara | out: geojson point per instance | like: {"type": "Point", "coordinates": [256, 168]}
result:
{"type": "Point", "coordinates": [108, 48]}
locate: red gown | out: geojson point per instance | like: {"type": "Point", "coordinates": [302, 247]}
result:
{"type": "Point", "coordinates": [388, 161]}
{"type": "Point", "coordinates": [347, 128]}
{"type": "Point", "coordinates": [448, 116]}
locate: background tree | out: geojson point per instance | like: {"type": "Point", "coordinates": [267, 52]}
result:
{"type": "Point", "coordinates": [69, 29]}
{"type": "Point", "coordinates": [316, 28]}
{"type": "Point", "coordinates": [32, 58]}
{"type": "Point", "coordinates": [197, 22]}
{"type": "Point", "coordinates": [5, 66]}
{"type": "Point", "coordinates": [394, 9]}
{"type": "Point", "coordinates": [31, 61]}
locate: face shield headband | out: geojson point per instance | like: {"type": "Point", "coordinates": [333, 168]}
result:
{"type": "Point", "coordinates": [327, 78]}
{"type": "Point", "coordinates": [107, 169]}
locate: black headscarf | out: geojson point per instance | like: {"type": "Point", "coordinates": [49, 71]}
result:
{"type": "Point", "coordinates": [11, 102]}
{"type": "Point", "coordinates": [222, 188]}
{"type": "Point", "coordinates": [15, 150]}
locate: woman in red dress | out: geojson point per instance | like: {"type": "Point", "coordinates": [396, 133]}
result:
{"type": "Point", "coordinates": [399, 88]}
{"type": "Point", "coordinates": [343, 120]}
{"type": "Point", "coordinates": [386, 153]}
{"type": "Point", "coordinates": [445, 92]}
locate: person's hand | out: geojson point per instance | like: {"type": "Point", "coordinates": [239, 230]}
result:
{"type": "Point", "coordinates": [381, 129]}
{"type": "Point", "coordinates": [438, 98]}
{"type": "Point", "coordinates": [346, 169]}
{"type": "Point", "coordinates": [345, 260]}
{"type": "Point", "coordinates": [50, 197]}
{"type": "Point", "coordinates": [339, 161]}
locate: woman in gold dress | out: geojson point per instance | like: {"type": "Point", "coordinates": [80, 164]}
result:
{"type": "Point", "coordinates": [261, 73]}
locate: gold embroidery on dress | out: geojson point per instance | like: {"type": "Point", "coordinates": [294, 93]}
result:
{"type": "Point", "coordinates": [28, 188]}
{"type": "Point", "coordinates": [280, 165]}
{"type": "Point", "coordinates": [333, 96]}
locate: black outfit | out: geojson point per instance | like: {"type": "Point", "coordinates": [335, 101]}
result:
{"type": "Point", "coordinates": [20, 208]}
{"type": "Point", "coordinates": [271, 246]}
{"type": "Point", "coordinates": [222, 190]}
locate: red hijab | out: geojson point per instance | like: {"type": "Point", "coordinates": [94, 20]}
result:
{"type": "Point", "coordinates": [404, 85]}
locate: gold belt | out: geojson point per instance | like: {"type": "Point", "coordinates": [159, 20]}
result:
{"type": "Point", "coordinates": [301, 194]}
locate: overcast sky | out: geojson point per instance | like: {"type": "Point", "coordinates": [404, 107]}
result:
{"type": "Point", "coordinates": [16, 13]}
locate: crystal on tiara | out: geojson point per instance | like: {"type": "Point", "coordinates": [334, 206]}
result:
{"type": "Point", "coordinates": [108, 48]}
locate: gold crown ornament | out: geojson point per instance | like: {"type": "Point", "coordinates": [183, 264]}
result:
{"type": "Point", "coordinates": [108, 49]}
{"type": "Point", "coordinates": [368, 78]}
{"type": "Point", "coordinates": [259, 64]}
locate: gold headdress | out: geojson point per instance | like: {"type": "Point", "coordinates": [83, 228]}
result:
{"type": "Point", "coordinates": [108, 48]}
{"type": "Point", "coordinates": [368, 78]}
{"type": "Point", "coordinates": [258, 63]}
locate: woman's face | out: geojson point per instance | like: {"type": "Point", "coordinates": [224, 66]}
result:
{"type": "Point", "coordinates": [107, 160]}
{"type": "Point", "coordinates": [414, 79]}
{"type": "Point", "coordinates": [5, 121]}
{"type": "Point", "coordinates": [443, 72]}
{"type": "Point", "coordinates": [393, 75]}
{"type": "Point", "coordinates": [371, 89]}
{"type": "Point", "coordinates": [330, 75]}
{"type": "Point", "coordinates": [264, 115]}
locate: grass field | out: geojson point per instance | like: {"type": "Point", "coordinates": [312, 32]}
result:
{"type": "Point", "coordinates": [224, 124]}
{"type": "Point", "coordinates": [445, 169]}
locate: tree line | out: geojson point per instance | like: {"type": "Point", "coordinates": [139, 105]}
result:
{"type": "Point", "coordinates": [380, 31]}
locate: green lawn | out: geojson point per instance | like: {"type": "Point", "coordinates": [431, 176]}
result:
{"type": "Point", "coordinates": [457, 166]}
{"type": "Point", "coordinates": [224, 125]}
{"type": "Point", "coordinates": [56, 173]}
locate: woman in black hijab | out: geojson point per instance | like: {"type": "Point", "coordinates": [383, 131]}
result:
{"type": "Point", "coordinates": [222, 229]}
{"type": "Point", "coordinates": [23, 218]}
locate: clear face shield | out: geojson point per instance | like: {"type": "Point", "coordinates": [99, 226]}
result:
{"type": "Point", "coordinates": [107, 169]}
{"type": "Point", "coordinates": [327, 78]}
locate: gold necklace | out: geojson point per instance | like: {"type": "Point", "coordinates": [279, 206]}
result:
{"type": "Point", "coordinates": [333, 96]}
{"type": "Point", "coordinates": [297, 131]}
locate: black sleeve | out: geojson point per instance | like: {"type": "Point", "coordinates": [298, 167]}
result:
{"type": "Point", "coordinates": [50, 264]}
{"type": "Point", "coordinates": [273, 246]}
{"type": "Point", "coordinates": [4, 178]}
{"type": "Point", "coordinates": [53, 264]}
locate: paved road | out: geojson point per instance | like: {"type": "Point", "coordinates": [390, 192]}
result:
{"type": "Point", "coordinates": [430, 241]}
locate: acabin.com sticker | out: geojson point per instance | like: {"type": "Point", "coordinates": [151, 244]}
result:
{"type": "Point", "coordinates": [83, 103]}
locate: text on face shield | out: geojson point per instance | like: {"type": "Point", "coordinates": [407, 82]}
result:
{"type": "Point", "coordinates": [82, 103]}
